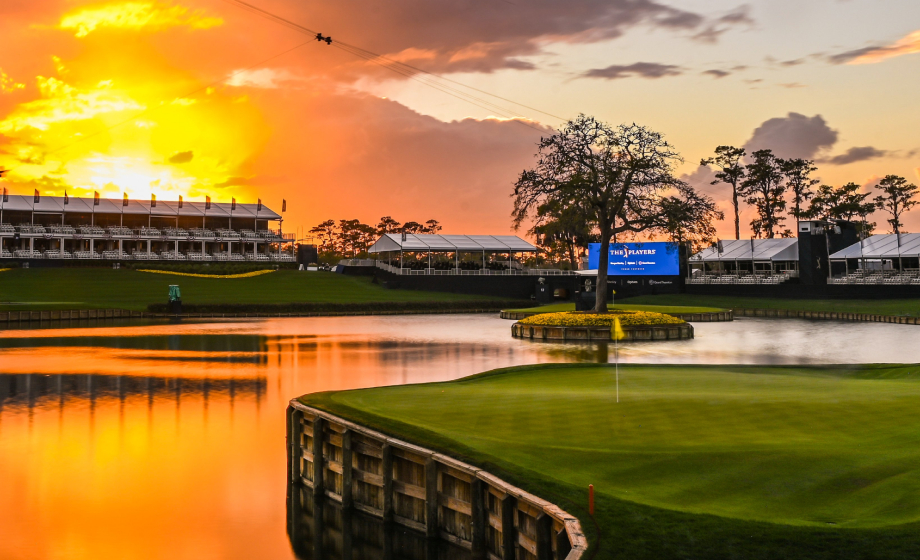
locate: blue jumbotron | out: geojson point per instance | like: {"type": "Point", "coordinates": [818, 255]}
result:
{"type": "Point", "coordinates": [637, 259]}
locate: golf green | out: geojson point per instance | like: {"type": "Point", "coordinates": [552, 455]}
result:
{"type": "Point", "coordinates": [818, 450]}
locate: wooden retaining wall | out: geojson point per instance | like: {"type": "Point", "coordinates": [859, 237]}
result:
{"type": "Point", "coordinates": [431, 493]}
{"type": "Point", "coordinates": [588, 334]}
{"type": "Point", "coordinates": [11, 318]}
{"type": "Point", "coordinates": [827, 315]}
{"type": "Point", "coordinates": [690, 317]}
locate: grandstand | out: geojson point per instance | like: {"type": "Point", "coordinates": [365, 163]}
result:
{"type": "Point", "coordinates": [50, 227]}
{"type": "Point", "coordinates": [746, 261]}
{"type": "Point", "coordinates": [879, 259]}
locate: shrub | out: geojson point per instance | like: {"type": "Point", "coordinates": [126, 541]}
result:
{"type": "Point", "coordinates": [576, 319]}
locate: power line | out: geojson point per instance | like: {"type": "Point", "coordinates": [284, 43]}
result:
{"type": "Point", "coordinates": [422, 76]}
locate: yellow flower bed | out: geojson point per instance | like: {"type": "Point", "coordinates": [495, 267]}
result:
{"type": "Point", "coordinates": [5, 269]}
{"type": "Point", "coordinates": [575, 319]}
{"type": "Point", "coordinates": [243, 275]}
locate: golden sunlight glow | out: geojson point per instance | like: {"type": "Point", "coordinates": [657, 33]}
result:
{"type": "Point", "coordinates": [7, 84]}
{"type": "Point", "coordinates": [907, 45]}
{"type": "Point", "coordinates": [151, 16]}
{"type": "Point", "coordinates": [61, 102]}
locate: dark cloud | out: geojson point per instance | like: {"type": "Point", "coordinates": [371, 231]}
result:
{"type": "Point", "coordinates": [714, 29]}
{"type": "Point", "coordinates": [641, 69]}
{"type": "Point", "coordinates": [181, 157]}
{"type": "Point", "coordinates": [844, 57]}
{"type": "Point", "coordinates": [721, 73]}
{"type": "Point", "coordinates": [793, 136]}
{"type": "Point", "coordinates": [860, 153]}
{"type": "Point", "coordinates": [476, 36]}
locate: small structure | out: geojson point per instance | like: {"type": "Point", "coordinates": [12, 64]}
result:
{"type": "Point", "coordinates": [879, 259]}
{"type": "Point", "coordinates": [452, 254]}
{"type": "Point", "coordinates": [746, 261]}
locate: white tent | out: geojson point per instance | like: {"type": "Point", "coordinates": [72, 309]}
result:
{"type": "Point", "coordinates": [883, 246]}
{"type": "Point", "coordinates": [451, 243]}
{"type": "Point", "coordinates": [758, 250]}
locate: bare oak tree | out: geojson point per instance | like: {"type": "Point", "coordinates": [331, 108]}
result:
{"type": "Point", "coordinates": [616, 175]}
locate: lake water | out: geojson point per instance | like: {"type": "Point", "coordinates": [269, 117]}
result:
{"type": "Point", "coordinates": [167, 441]}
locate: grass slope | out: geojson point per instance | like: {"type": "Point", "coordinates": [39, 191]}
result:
{"type": "Point", "coordinates": [694, 462]}
{"type": "Point", "coordinates": [80, 288]}
{"type": "Point", "coordinates": [872, 306]}
{"type": "Point", "coordinates": [667, 309]}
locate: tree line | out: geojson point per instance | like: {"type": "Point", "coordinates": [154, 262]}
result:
{"type": "Point", "coordinates": [352, 237]}
{"type": "Point", "coordinates": [775, 187]}
{"type": "Point", "coordinates": [593, 182]}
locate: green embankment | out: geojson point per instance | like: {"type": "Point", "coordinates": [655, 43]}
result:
{"type": "Point", "coordinates": [667, 309]}
{"type": "Point", "coordinates": [872, 306]}
{"type": "Point", "coordinates": [88, 288]}
{"type": "Point", "coordinates": [711, 462]}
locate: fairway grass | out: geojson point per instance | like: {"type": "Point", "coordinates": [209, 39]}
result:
{"type": "Point", "coordinates": [694, 461]}
{"type": "Point", "coordinates": [666, 309]}
{"type": "Point", "coordinates": [97, 288]}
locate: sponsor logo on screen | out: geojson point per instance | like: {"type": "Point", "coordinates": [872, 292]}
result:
{"type": "Point", "coordinates": [637, 259]}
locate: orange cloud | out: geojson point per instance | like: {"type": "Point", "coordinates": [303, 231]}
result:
{"type": "Point", "coordinates": [151, 16]}
{"type": "Point", "coordinates": [907, 45]}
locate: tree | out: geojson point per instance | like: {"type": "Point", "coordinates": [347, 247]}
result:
{"type": "Point", "coordinates": [617, 176]}
{"type": "Point", "coordinates": [325, 231]}
{"type": "Point", "coordinates": [896, 198]}
{"type": "Point", "coordinates": [728, 160]}
{"type": "Point", "coordinates": [689, 219]}
{"type": "Point", "coordinates": [562, 231]}
{"type": "Point", "coordinates": [797, 173]}
{"type": "Point", "coordinates": [841, 203]}
{"type": "Point", "coordinates": [412, 227]}
{"type": "Point", "coordinates": [763, 188]}
{"type": "Point", "coordinates": [387, 225]}
{"type": "Point", "coordinates": [432, 226]}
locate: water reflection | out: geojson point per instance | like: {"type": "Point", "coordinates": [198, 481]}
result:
{"type": "Point", "coordinates": [167, 440]}
{"type": "Point", "coordinates": [321, 529]}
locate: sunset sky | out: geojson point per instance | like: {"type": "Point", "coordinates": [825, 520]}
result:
{"type": "Point", "coordinates": [206, 97]}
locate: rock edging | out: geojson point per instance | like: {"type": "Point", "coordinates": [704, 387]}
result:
{"type": "Point", "coordinates": [325, 452]}
{"type": "Point", "coordinates": [826, 315]}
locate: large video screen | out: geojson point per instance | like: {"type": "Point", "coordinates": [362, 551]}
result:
{"type": "Point", "coordinates": [637, 259]}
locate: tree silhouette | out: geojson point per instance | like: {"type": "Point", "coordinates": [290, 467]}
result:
{"type": "Point", "coordinates": [731, 172]}
{"type": "Point", "coordinates": [896, 198]}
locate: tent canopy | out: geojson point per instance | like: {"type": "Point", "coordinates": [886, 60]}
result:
{"type": "Point", "coordinates": [55, 204]}
{"type": "Point", "coordinates": [785, 249]}
{"type": "Point", "coordinates": [885, 245]}
{"type": "Point", "coordinates": [451, 243]}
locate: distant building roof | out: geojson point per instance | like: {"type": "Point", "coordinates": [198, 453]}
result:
{"type": "Point", "coordinates": [886, 245]}
{"type": "Point", "coordinates": [451, 243]}
{"type": "Point", "coordinates": [79, 205]}
{"type": "Point", "coordinates": [784, 249]}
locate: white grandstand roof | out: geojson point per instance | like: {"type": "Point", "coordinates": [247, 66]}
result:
{"type": "Point", "coordinates": [882, 246]}
{"type": "Point", "coordinates": [451, 243]}
{"type": "Point", "coordinates": [785, 249]}
{"type": "Point", "coordinates": [55, 205]}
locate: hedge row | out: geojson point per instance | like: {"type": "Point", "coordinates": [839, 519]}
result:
{"type": "Point", "coordinates": [333, 307]}
{"type": "Point", "coordinates": [218, 268]}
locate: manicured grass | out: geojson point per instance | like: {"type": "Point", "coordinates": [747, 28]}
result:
{"type": "Point", "coordinates": [694, 461]}
{"type": "Point", "coordinates": [874, 306]}
{"type": "Point", "coordinates": [667, 309]}
{"type": "Point", "coordinates": [80, 288]}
